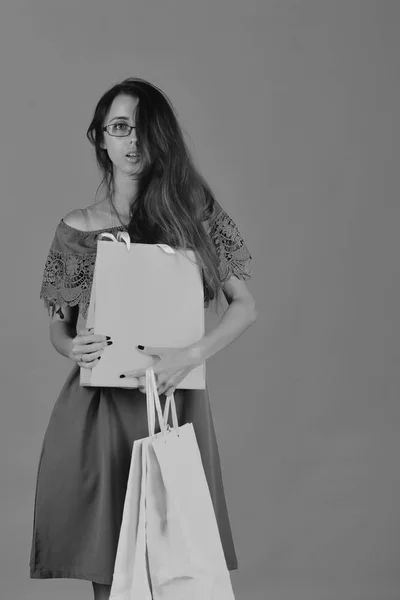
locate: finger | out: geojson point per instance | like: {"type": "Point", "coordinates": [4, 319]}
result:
{"type": "Point", "coordinates": [141, 384]}
{"type": "Point", "coordinates": [81, 351]}
{"type": "Point", "coordinates": [163, 386]}
{"type": "Point", "coordinates": [133, 374]}
{"type": "Point", "coordinates": [153, 350]}
{"type": "Point", "coordinates": [157, 367]}
{"type": "Point", "coordinates": [91, 338]}
{"type": "Point", "coordinates": [80, 347]}
{"type": "Point", "coordinates": [169, 391]}
{"type": "Point", "coordinates": [86, 331]}
{"type": "Point", "coordinates": [86, 365]}
{"type": "Point", "coordinates": [89, 356]}
{"type": "Point", "coordinates": [91, 333]}
{"type": "Point", "coordinates": [89, 365]}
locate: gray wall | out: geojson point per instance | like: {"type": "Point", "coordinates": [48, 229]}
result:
{"type": "Point", "coordinates": [292, 109]}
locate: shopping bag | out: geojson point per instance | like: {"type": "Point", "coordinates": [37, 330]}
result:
{"type": "Point", "coordinates": [131, 576]}
{"type": "Point", "coordinates": [149, 294]}
{"type": "Point", "coordinates": [183, 557]}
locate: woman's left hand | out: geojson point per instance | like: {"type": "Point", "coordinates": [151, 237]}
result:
{"type": "Point", "coordinates": [170, 370]}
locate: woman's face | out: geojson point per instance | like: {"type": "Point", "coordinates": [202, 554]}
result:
{"type": "Point", "coordinates": [121, 150]}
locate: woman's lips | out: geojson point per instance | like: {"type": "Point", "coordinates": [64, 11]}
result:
{"type": "Point", "coordinates": [133, 156]}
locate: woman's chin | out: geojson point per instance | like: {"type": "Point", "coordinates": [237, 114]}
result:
{"type": "Point", "coordinates": [128, 170]}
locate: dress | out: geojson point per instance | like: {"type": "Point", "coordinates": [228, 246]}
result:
{"type": "Point", "coordinates": [85, 457]}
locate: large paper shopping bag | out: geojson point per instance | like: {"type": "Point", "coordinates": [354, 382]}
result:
{"type": "Point", "coordinates": [131, 577]}
{"type": "Point", "coordinates": [148, 294]}
{"type": "Point", "coordinates": [184, 553]}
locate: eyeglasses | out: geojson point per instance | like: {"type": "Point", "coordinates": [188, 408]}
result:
{"type": "Point", "coordinates": [119, 129]}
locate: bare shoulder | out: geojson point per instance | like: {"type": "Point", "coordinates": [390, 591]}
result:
{"type": "Point", "coordinates": [94, 217]}
{"type": "Point", "coordinates": [76, 219]}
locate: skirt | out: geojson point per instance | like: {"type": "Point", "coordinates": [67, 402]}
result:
{"type": "Point", "coordinates": [83, 471]}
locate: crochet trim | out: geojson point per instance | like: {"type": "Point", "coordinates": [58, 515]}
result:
{"type": "Point", "coordinates": [233, 254]}
{"type": "Point", "coordinates": [67, 280]}
{"type": "Point", "coordinates": [68, 277]}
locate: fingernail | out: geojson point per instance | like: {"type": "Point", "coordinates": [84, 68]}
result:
{"type": "Point", "coordinates": [122, 376]}
{"type": "Point", "coordinates": [108, 337]}
{"type": "Point", "coordinates": [99, 357]}
{"type": "Point", "coordinates": [109, 343]}
{"type": "Point", "coordinates": [141, 347]}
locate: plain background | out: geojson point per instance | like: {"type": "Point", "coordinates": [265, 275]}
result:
{"type": "Point", "coordinates": [292, 112]}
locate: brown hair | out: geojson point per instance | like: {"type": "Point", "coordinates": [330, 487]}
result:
{"type": "Point", "coordinates": [173, 201]}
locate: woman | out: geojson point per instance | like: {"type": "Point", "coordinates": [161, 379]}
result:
{"type": "Point", "coordinates": [154, 192]}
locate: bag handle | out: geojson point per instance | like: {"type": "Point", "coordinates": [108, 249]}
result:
{"type": "Point", "coordinates": [152, 399]}
{"type": "Point", "coordinates": [123, 236]}
{"type": "Point", "coordinates": [170, 403]}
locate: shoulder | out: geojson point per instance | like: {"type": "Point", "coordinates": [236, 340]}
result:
{"type": "Point", "coordinates": [76, 219]}
{"type": "Point", "coordinates": [72, 235]}
{"type": "Point", "coordinates": [92, 218]}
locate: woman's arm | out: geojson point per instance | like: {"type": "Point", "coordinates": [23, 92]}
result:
{"type": "Point", "coordinates": [240, 314]}
{"type": "Point", "coordinates": [63, 328]}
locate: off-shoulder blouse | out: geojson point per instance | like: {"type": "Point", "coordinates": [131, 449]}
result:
{"type": "Point", "coordinates": [69, 267]}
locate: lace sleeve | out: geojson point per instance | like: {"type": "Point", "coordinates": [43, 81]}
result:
{"type": "Point", "coordinates": [233, 254]}
{"type": "Point", "coordinates": [68, 273]}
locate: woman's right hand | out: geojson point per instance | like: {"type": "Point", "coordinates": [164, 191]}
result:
{"type": "Point", "coordinates": [87, 348]}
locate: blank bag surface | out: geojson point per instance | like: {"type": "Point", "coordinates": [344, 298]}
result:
{"type": "Point", "coordinates": [146, 294]}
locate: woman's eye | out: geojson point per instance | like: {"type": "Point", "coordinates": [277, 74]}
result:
{"type": "Point", "coordinates": [120, 126]}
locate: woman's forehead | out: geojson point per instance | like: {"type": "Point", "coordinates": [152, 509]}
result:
{"type": "Point", "coordinates": [123, 105]}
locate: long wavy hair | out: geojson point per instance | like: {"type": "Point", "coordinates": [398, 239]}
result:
{"type": "Point", "coordinates": [173, 200]}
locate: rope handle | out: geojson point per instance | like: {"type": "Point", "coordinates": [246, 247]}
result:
{"type": "Point", "coordinates": [153, 401]}
{"type": "Point", "coordinates": [123, 236]}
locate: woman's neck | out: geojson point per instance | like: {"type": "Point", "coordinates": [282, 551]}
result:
{"type": "Point", "coordinates": [126, 188]}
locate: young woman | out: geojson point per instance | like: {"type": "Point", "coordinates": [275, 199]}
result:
{"type": "Point", "coordinates": [153, 191]}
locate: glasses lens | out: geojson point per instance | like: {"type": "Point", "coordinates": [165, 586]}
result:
{"type": "Point", "coordinates": [119, 129]}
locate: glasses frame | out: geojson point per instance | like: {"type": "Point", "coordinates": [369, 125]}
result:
{"type": "Point", "coordinates": [105, 128]}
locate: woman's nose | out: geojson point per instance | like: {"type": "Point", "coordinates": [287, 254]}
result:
{"type": "Point", "coordinates": [133, 141]}
{"type": "Point", "coordinates": [132, 135]}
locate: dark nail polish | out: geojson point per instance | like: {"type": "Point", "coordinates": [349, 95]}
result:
{"type": "Point", "coordinates": [108, 337]}
{"type": "Point", "coordinates": [141, 347]}
{"type": "Point", "coordinates": [122, 376]}
{"type": "Point", "coordinates": [109, 343]}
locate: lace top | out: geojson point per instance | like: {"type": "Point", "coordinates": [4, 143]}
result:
{"type": "Point", "coordinates": [68, 271]}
